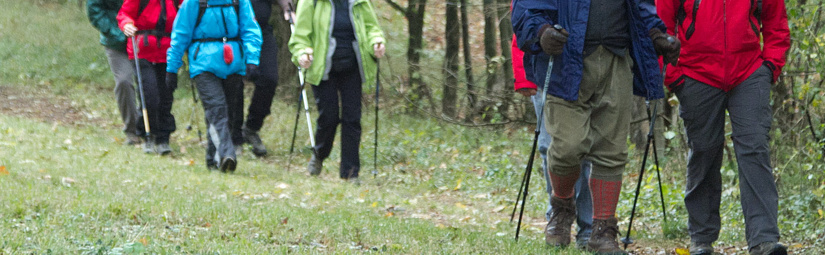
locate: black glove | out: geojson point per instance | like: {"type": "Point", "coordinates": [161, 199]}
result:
{"type": "Point", "coordinates": [552, 39]}
{"type": "Point", "coordinates": [252, 73]}
{"type": "Point", "coordinates": [665, 45]}
{"type": "Point", "coordinates": [172, 80]}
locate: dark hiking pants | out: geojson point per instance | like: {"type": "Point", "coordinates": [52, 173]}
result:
{"type": "Point", "coordinates": [159, 98]}
{"type": "Point", "coordinates": [222, 105]}
{"type": "Point", "coordinates": [344, 85]}
{"type": "Point", "coordinates": [266, 83]}
{"type": "Point", "coordinates": [703, 110]}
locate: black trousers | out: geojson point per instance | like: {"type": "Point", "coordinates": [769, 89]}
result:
{"type": "Point", "coordinates": [223, 107]}
{"type": "Point", "coordinates": [265, 85]}
{"type": "Point", "coordinates": [344, 86]}
{"type": "Point", "coordinates": [159, 98]}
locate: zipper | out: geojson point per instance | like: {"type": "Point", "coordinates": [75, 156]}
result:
{"type": "Point", "coordinates": [725, 39]}
{"type": "Point", "coordinates": [357, 43]}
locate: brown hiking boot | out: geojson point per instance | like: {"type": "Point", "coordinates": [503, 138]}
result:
{"type": "Point", "coordinates": [557, 232]}
{"type": "Point", "coordinates": [603, 239]}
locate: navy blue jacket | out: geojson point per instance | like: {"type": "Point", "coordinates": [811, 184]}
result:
{"type": "Point", "coordinates": [530, 15]}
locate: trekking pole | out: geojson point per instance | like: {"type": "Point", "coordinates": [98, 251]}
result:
{"type": "Point", "coordinates": [528, 170]}
{"type": "Point", "coordinates": [377, 88]}
{"type": "Point", "coordinates": [301, 98]}
{"type": "Point", "coordinates": [650, 140]}
{"type": "Point", "coordinates": [140, 89]}
{"type": "Point", "coordinates": [192, 115]}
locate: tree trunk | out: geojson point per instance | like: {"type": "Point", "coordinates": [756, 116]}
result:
{"type": "Point", "coordinates": [490, 53]}
{"type": "Point", "coordinates": [468, 62]}
{"type": "Point", "coordinates": [450, 69]}
{"type": "Point", "coordinates": [505, 28]}
{"type": "Point", "coordinates": [415, 18]}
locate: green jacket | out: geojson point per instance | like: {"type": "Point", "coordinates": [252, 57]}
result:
{"type": "Point", "coordinates": [102, 14]}
{"type": "Point", "coordinates": [313, 31]}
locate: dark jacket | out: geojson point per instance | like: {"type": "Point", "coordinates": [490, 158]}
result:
{"type": "Point", "coordinates": [530, 15]}
{"type": "Point", "coordinates": [103, 15]}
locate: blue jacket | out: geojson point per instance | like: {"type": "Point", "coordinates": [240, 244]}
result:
{"type": "Point", "coordinates": [530, 15]}
{"type": "Point", "coordinates": [217, 22]}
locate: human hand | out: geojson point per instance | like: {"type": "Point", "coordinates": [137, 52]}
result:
{"type": "Point", "coordinates": [129, 29]}
{"type": "Point", "coordinates": [305, 61]}
{"type": "Point", "coordinates": [252, 73]}
{"type": "Point", "coordinates": [172, 80]}
{"type": "Point", "coordinates": [552, 39]}
{"type": "Point", "coordinates": [378, 50]}
{"type": "Point", "coordinates": [289, 15]}
{"type": "Point", "coordinates": [665, 45]}
{"type": "Point", "coordinates": [527, 92]}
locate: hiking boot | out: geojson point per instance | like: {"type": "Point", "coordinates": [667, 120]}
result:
{"type": "Point", "coordinates": [697, 248]}
{"type": "Point", "coordinates": [557, 232]}
{"type": "Point", "coordinates": [315, 165]}
{"type": "Point", "coordinates": [252, 137]}
{"type": "Point", "coordinates": [148, 146]}
{"type": "Point", "coordinates": [769, 248]}
{"type": "Point", "coordinates": [603, 239]}
{"type": "Point", "coordinates": [163, 148]}
{"type": "Point", "coordinates": [132, 139]}
{"type": "Point", "coordinates": [228, 164]}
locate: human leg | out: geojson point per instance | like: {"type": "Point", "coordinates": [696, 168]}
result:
{"type": "Point", "coordinates": [211, 92]}
{"type": "Point", "coordinates": [750, 115]}
{"type": "Point", "coordinates": [124, 73]}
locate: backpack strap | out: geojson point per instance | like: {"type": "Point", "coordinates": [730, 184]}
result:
{"type": "Point", "coordinates": [141, 6]}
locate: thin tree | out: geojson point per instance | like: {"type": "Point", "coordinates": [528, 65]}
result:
{"type": "Point", "coordinates": [468, 60]}
{"type": "Point", "coordinates": [450, 69]}
{"type": "Point", "coordinates": [414, 12]}
{"type": "Point", "coordinates": [505, 28]}
{"type": "Point", "coordinates": [490, 54]}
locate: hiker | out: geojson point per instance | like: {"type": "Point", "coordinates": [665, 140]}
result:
{"type": "Point", "coordinates": [150, 22]}
{"type": "Point", "coordinates": [584, 209]}
{"type": "Point", "coordinates": [342, 63]}
{"type": "Point", "coordinates": [102, 14]}
{"type": "Point", "coordinates": [599, 64]}
{"type": "Point", "coordinates": [222, 41]}
{"type": "Point", "coordinates": [728, 70]}
{"type": "Point", "coordinates": [265, 84]}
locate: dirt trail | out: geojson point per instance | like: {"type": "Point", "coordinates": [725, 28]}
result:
{"type": "Point", "coordinates": [34, 104]}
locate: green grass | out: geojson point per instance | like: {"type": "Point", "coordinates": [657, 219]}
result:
{"type": "Point", "coordinates": [441, 188]}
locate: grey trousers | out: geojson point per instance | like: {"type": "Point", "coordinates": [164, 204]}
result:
{"type": "Point", "coordinates": [703, 110]}
{"type": "Point", "coordinates": [124, 72]}
{"type": "Point", "coordinates": [222, 101]}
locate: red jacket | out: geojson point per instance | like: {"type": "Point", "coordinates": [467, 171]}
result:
{"type": "Point", "coordinates": [519, 76]}
{"type": "Point", "coordinates": [720, 39]}
{"type": "Point", "coordinates": [148, 47]}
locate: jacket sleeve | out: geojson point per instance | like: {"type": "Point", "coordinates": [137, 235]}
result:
{"type": "Point", "coordinates": [775, 34]}
{"type": "Point", "coordinates": [250, 33]}
{"type": "Point", "coordinates": [301, 41]}
{"type": "Point", "coordinates": [101, 19]}
{"type": "Point", "coordinates": [519, 76]}
{"type": "Point", "coordinates": [127, 13]}
{"type": "Point", "coordinates": [182, 32]}
{"type": "Point", "coordinates": [666, 10]}
{"type": "Point", "coordinates": [528, 16]}
{"type": "Point", "coordinates": [647, 9]}
{"type": "Point", "coordinates": [374, 32]}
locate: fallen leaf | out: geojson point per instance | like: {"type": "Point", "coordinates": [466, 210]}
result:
{"type": "Point", "coordinates": [284, 221]}
{"type": "Point", "coordinates": [374, 204]}
{"type": "Point", "coordinates": [3, 170]}
{"type": "Point", "coordinates": [183, 150]}
{"type": "Point", "coordinates": [460, 205]}
{"type": "Point", "coordinates": [499, 209]}
{"type": "Point", "coordinates": [466, 218]}
{"type": "Point", "coordinates": [458, 185]}
{"type": "Point", "coordinates": [67, 181]}
{"type": "Point", "coordinates": [682, 251]}
{"type": "Point", "coordinates": [207, 225]}
{"type": "Point", "coordinates": [144, 241]}
{"type": "Point", "coordinates": [389, 214]}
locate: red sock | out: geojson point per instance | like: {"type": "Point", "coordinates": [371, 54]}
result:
{"type": "Point", "coordinates": [605, 196]}
{"type": "Point", "coordinates": [563, 185]}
